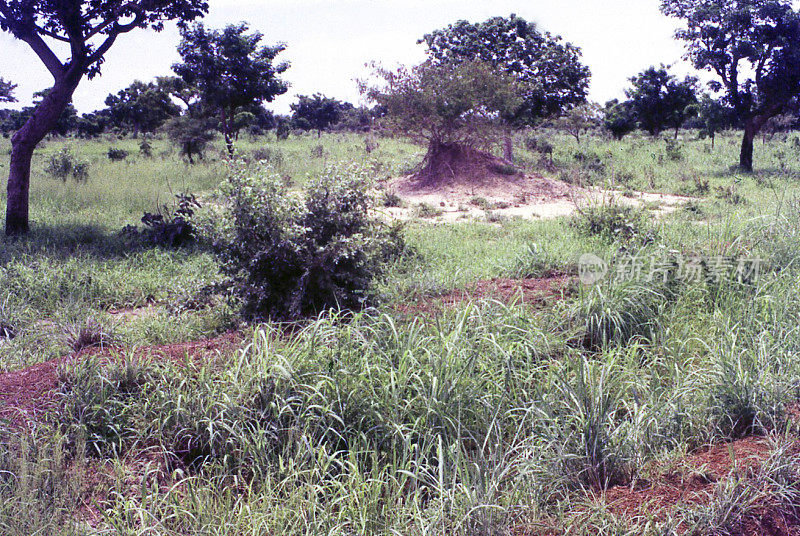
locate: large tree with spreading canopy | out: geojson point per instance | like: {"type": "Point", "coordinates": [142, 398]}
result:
{"type": "Point", "coordinates": [753, 47]}
{"type": "Point", "coordinates": [86, 29]}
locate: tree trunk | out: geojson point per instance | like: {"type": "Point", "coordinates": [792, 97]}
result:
{"type": "Point", "coordinates": [19, 179]}
{"type": "Point", "coordinates": [508, 146]}
{"type": "Point", "coordinates": [42, 121]}
{"type": "Point", "coordinates": [229, 143]}
{"type": "Point", "coordinates": [746, 155]}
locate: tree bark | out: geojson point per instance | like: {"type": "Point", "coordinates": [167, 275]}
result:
{"type": "Point", "coordinates": [746, 154]}
{"type": "Point", "coordinates": [42, 121]}
{"type": "Point", "coordinates": [508, 146]}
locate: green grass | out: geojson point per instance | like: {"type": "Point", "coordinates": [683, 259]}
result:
{"type": "Point", "coordinates": [486, 418]}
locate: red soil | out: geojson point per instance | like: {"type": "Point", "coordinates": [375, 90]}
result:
{"type": "Point", "coordinates": [530, 291]}
{"type": "Point", "coordinates": [27, 394]}
{"type": "Point", "coordinates": [693, 483]}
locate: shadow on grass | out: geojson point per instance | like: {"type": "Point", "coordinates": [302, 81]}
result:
{"type": "Point", "coordinates": [61, 241]}
{"type": "Point", "coordinates": [756, 175]}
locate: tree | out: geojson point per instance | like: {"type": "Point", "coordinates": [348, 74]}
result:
{"type": "Point", "coordinates": [141, 107]}
{"type": "Point", "coordinates": [7, 91]}
{"type": "Point", "coordinates": [714, 116]}
{"type": "Point", "coordinates": [620, 118]}
{"type": "Point", "coordinates": [89, 28]}
{"type": "Point", "coordinates": [231, 72]}
{"type": "Point", "coordinates": [548, 72]}
{"type": "Point", "coordinates": [454, 108]}
{"type": "Point", "coordinates": [660, 100]}
{"type": "Point", "coordinates": [92, 124]}
{"type": "Point", "coordinates": [317, 112]}
{"type": "Point", "coordinates": [753, 46]}
{"type": "Point", "coordinates": [191, 134]}
{"type": "Point", "coordinates": [578, 120]}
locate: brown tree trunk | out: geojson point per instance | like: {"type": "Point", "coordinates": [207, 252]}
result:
{"type": "Point", "coordinates": [19, 179]}
{"type": "Point", "coordinates": [746, 155]}
{"type": "Point", "coordinates": [23, 144]}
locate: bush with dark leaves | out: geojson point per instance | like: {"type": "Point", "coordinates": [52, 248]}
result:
{"type": "Point", "coordinates": [117, 155]}
{"type": "Point", "coordinates": [168, 227]}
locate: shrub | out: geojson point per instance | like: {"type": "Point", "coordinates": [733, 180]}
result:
{"type": "Point", "coordinates": [391, 199]}
{"type": "Point", "coordinates": [674, 149]}
{"type": "Point", "coordinates": [613, 221]}
{"type": "Point", "coordinates": [192, 135]}
{"type": "Point", "coordinates": [146, 148]}
{"type": "Point", "coordinates": [289, 257]}
{"type": "Point", "coordinates": [117, 155]}
{"type": "Point", "coordinates": [425, 210]}
{"type": "Point", "coordinates": [64, 165]}
{"type": "Point", "coordinates": [318, 151]}
{"type": "Point", "coordinates": [271, 156]}
{"type": "Point", "coordinates": [168, 227]}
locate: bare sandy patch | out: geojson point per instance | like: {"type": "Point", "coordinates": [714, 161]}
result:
{"type": "Point", "coordinates": [524, 196]}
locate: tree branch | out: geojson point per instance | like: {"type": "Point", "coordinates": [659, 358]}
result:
{"type": "Point", "coordinates": [48, 57]}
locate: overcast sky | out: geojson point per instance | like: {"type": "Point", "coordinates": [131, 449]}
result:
{"type": "Point", "coordinates": [329, 41]}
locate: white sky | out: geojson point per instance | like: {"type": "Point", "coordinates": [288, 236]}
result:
{"type": "Point", "coordinates": [329, 42]}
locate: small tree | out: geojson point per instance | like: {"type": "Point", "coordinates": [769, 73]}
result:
{"type": "Point", "coordinates": [579, 120]}
{"type": "Point", "coordinates": [317, 112]}
{"type": "Point", "coordinates": [7, 91]}
{"type": "Point", "coordinates": [231, 72]}
{"type": "Point", "coordinates": [191, 135]}
{"type": "Point", "coordinates": [620, 118]}
{"type": "Point", "coordinates": [714, 116]}
{"type": "Point", "coordinates": [141, 107]}
{"type": "Point", "coordinates": [89, 28]}
{"type": "Point", "coordinates": [549, 74]}
{"type": "Point", "coordinates": [660, 100]}
{"type": "Point", "coordinates": [753, 46]}
{"type": "Point", "coordinates": [455, 109]}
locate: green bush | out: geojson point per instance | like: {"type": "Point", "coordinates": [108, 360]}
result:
{"type": "Point", "coordinates": [64, 165]}
{"type": "Point", "coordinates": [613, 221]}
{"type": "Point", "coordinates": [117, 155]}
{"type": "Point", "coordinates": [290, 256]}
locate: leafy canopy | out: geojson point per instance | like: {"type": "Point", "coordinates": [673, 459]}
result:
{"type": "Point", "coordinates": [7, 91]}
{"type": "Point", "coordinates": [660, 100]}
{"type": "Point", "coordinates": [548, 72]}
{"type": "Point", "coordinates": [753, 46]}
{"type": "Point", "coordinates": [317, 112]}
{"type": "Point", "coordinates": [620, 118]}
{"type": "Point", "coordinates": [90, 27]}
{"type": "Point", "coordinates": [229, 69]}
{"type": "Point", "coordinates": [141, 107]}
{"type": "Point", "coordinates": [445, 103]}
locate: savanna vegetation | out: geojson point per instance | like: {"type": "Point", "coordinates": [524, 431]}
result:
{"type": "Point", "coordinates": [222, 321]}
